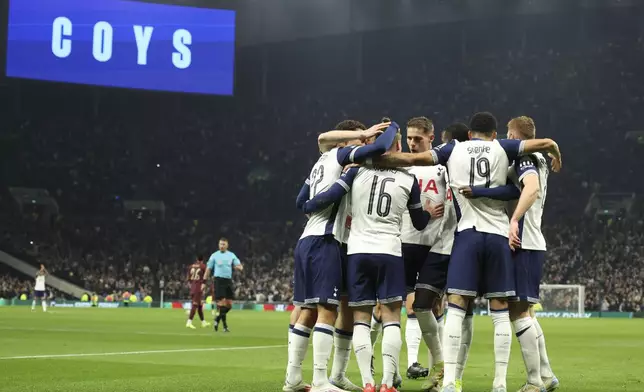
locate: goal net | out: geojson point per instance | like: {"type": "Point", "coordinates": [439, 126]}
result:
{"type": "Point", "coordinates": [566, 299]}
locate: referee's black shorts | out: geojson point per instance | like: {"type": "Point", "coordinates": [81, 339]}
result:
{"type": "Point", "coordinates": [224, 289]}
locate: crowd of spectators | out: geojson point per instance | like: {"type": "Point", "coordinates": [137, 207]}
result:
{"type": "Point", "coordinates": [232, 166]}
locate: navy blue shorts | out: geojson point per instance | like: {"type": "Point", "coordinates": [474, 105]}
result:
{"type": "Point", "coordinates": [528, 268]}
{"type": "Point", "coordinates": [414, 256]}
{"type": "Point", "coordinates": [481, 264]}
{"type": "Point", "coordinates": [318, 271]}
{"type": "Point", "coordinates": [433, 274]}
{"type": "Point", "coordinates": [40, 294]}
{"type": "Point", "coordinates": [375, 277]}
{"type": "Point", "coordinates": [344, 287]}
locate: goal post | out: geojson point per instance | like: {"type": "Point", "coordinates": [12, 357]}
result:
{"type": "Point", "coordinates": [568, 298]}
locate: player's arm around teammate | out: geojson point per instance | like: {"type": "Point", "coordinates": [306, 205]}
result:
{"type": "Point", "coordinates": [331, 139]}
{"type": "Point", "coordinates": [431, 157]}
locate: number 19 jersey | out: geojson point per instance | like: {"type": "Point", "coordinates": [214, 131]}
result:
{"type": "Point", "coordinates": [379, 197]}
{"type": "Point", "coordinates": [479, 163]}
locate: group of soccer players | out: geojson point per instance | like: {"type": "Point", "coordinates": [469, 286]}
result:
{"type": "Point", "coordinates": [386, 227]}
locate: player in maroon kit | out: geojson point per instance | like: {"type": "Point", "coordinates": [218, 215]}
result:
{"type": "Point", "coordinates": [196, 280]}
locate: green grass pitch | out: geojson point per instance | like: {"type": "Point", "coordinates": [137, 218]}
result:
{"type": "Point", "coordinates": [141, 350]}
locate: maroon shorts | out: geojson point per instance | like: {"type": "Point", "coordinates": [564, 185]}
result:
{"type": "Point", "coordinates": [196, 297]}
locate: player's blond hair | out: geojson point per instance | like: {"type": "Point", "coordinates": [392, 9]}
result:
{"type": "Point", "coordinates": [525, 126]}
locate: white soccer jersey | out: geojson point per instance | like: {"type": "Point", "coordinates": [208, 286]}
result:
{"type": "Point", "coordinates": [431, 180]}
{"type": "Point", "coordinates": [379, 197]}
{"type": "Point", "coordinates": [531, 236]}
{"type": "Point", "coordinates": [445, 238]}
{"type": "Point", "coordinates": [40, 283]}
{"type": "Point", "coordinates": [332, 219]}
{"type": "Point", "coordinates": [479, 163]}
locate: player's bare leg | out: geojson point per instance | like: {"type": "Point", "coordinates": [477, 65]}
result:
{"type": "Point", "coordinates": [297, 346]}
{"type": "Point", "coordinates": [547, 376]}
{"type": "Point", "coordinates": [342, 339]}
{"type": "Point", "coordinates": [391, 344]}
{"type": "Point", "coordinates": [295, 314]}
{"type": "Point", "coordinates": [362, 342]}
{"type": "Point", "coordinates": [458, 305]}
{"type": "Point", "coordinates": [424, 305]}
{"type": "Point", "coordinates": [413, 336]}
{"type": "Point", "coordinates": [502, 342]}
{"type": "Point", "coordinates": [322, 346]}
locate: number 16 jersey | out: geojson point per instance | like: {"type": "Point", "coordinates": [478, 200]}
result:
{"type": "Point", "coordinates": [379, 197]}
{"type": "Point", "coordinates": [479, 163]}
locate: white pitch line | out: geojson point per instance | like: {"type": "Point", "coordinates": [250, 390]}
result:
{"type": "Point", "coordinates": [92, 331]}
{"type": "Point", "coordinates": [189, 350]}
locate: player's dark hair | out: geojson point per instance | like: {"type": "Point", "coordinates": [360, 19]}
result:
{"type": "Point", "coordinates": [385, 119]}
{"type": "Point", "coordinates": [223, 239]}
{"type": "Point", "coordinates": [483, 122]}
{"type": "Point", "coordinates": [457, 131]}
{"type": "Point", "coordinates": [349, 125]}
{"type": "Point", "coordinates": [422, 123]}
{"type": "Point", "coordinates": [200, 258]}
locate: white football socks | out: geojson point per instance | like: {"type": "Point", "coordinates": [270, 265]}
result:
{"type": "Point", "coordinates": [452, 342]}
{"type": "Point", "coordinates": [430, 333]}
{"type": "Point", "coordinates": [466, 341]}
{"type": "Point", "coordinates": [391, 345]}
{"type": "Point", "coordinates": [376, 328]}
{"type": "Point", "coordinates": [546, 370]}
{"type": "Point", "coordinates": [502, 345]}
{"type": "Point", "coordinates": [527, 335]}
{"type": "Point", "coordinates": [363, 348]}
{"type": "Point", "coordinates": [342, 354]}
{"type": "Point", "coordinates": [33, 305]}
{"type": "Point", "coordinates": [441, 326]}
{"type": "Point", "coordinates": [412, 339]}
{"type": "Point", "coordinates": [297, 345]}
{"type": "Point", "coordinates": [322, 346]}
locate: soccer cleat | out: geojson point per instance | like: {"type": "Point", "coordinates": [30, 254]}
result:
{"type": "Point", "coordinates": [345, 384]}
{"type": "Point", "coordinates": [499, 389]}
{"type": "Point", "coordinates": [459, 385]}
{"type": "Point", "coordinates": [205, 324]}
{"type": "Point", "coordinates": [531, 388]}
{"type": "Point", "coordinates": [416, 370]}
{"type": "Point", "coordinates": [226, 329]}
{"type": "Point", "coordinates": [216, 327]}
{"type": "Point", "coordinates": [397, 380]}
{"type": "Point", "coordinates": [437, 373]}
{"type": "Point", "coordinates": [383, 388]}
{"type": "Point", "coordinates": [300, 387]}
{"type": "Point", "coordinates": [429, 386]}
{"type": "Point", "coordinates": [448, 388]}
{"type": "Point", "coordinates": [369, 388]}
{"type": "Point", "coordinates": [189, 325]}
{"type": "Point", "coordinates": [551, 383]}
{"type": "Point", "coordinates": [328, 387]}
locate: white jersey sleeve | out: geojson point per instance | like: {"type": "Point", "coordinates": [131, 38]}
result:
{"type": "Point", "coordinates": [445, 238]}
{"type": "Point", "coordinates": [323, 175]}
{"type": "Point", "coordinates": [379, 197]}
{"type": "Point", "coordinates": [534, 164]}
{"type": "Point", "coordinates": [431, 180]}
{"type": "Point", "coordinates": [480, 163]}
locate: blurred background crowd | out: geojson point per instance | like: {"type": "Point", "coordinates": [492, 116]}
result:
{"type": "Point", "coordinates": [232, 166]}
